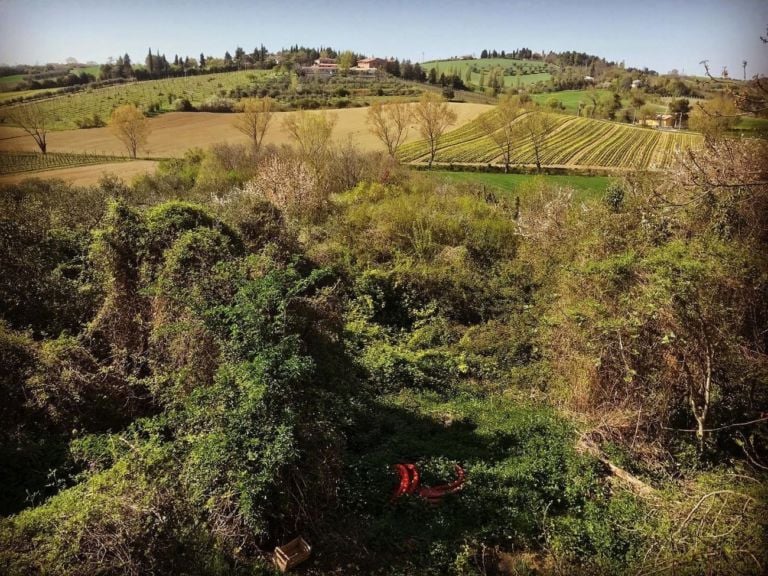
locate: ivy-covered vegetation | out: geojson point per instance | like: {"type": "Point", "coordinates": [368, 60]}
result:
{"type": "Point", "coordinates": [236, 350]}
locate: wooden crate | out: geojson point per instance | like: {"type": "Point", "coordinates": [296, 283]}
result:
{"type": "Point", "coordinates": [292, 554]}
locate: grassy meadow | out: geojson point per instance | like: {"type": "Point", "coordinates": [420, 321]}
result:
{"type": "Point", "coordinates": [517, 73]}
{"type": "Point", "coordinates": [585, 188]}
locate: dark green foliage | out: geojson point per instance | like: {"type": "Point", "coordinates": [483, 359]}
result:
{"type": "Point", "coordinates": [41, 278]}
{"type": "Point", "coordinates": [614, 196]}
{"type": "Point", "coordinates": [200, 382]}
{"type": "Point", "coordinates": [76, 392]}
{"type": "Point", "coordinates": [522, 472]}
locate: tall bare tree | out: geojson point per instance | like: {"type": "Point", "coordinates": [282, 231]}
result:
{"type": "Point", "coordinates": [130, 126]}
{"type": "Point", "coordinates": [537, 126]}
{"type": "Point", "coordinates": [433, 117]}
{"type": "Point", "coordinates": [254, 119]}
{"type": "Point", "coordinates": [389, 123]}
{"type": "Point", "coordinates": [501, 127]}
{"type": "Point", "coordinates": [33, 119]}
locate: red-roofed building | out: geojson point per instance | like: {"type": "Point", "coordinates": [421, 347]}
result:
{"type": "Point", "coordinates": [371, 63]}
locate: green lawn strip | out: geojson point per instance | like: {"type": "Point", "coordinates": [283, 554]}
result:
{"type": "Point", "coordinates": [586, 187]}
{"type": "Point", "coordinates": [8, 82]}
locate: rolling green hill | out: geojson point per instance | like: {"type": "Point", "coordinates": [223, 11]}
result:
{"type": "Point", "coordinates": [157, 96]}
{"type": "Point", "coordinates": [516, 72]}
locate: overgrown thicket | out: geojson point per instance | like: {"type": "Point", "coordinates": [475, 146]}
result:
{"type": "Point", "coordinates": [660, 312]}
{"type": "Point", "coordinates": [235, 350]}
{"type": "Point", "coordinates": [200, 392]}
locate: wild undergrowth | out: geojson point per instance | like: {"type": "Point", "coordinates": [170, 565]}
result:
{"type": "Point", "coordinates": [215, 359]}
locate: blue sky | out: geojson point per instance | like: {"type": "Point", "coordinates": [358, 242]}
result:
{"type": "Point", "coordinates": [659, 34]}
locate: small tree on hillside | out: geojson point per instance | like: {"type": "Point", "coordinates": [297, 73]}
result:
{"type": "Point", "coordinates": [433, 117]}
{"type": "Point", "coordinates": [254, 120]}
{"type": "Point", "coordinates": [130, 126]}
{"type": "Point", "coordinates": [714, 117]}
{"type": "Point", "coordinates": [346, 61]}
{"type": "Point", "coordinates": [312, 133]}
{"type": "Point", "coordinates": [389, 123]}
{"type": "Point", "coordinates": [500, 126]}
{"type": "Point", "coordinates": [33, 119]}
{"type": "Point", "coordinates": [537, 126]}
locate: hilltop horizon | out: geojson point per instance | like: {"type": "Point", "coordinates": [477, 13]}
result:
{"type": "Point", "coordinates": [660, 37]}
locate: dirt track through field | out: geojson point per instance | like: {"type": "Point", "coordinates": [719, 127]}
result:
{"type": "Point", "coordinates": [174, 133]}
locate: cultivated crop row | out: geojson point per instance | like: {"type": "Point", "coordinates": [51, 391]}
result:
{"type": "Point", "coordinates": [11, 163]}
{"type": "Point", "coordinates": [571, 142]}
{"type": "Point", "coordinates": [70, 111]}
{"type": "Point", "coordinates": [212, 92]}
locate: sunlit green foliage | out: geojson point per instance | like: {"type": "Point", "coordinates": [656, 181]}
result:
{"type": "Point", "coordinates": [195, 371]}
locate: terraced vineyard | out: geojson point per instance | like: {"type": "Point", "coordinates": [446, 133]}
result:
{"type": "Point", "coordinates": [67, 111]}
{"type": "Point", "coordinates": [12, 163]}
{"type": "Point", "coordinates": [517, 73]}
{"type": "Point", "coordinates": [574, 142]}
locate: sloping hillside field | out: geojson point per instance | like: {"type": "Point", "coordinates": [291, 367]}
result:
{"type": "Point", "coordinates": [574, 142]}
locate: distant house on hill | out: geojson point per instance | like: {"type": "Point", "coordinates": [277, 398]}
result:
{"type": "Point", "coordinates": [371, 63]}
{"type": "Point", "coordinates": [326, 63]}
{"type": "Point", "coordinates": [666, 120]}
{"type": "Point", "coordinates": [661, 121]}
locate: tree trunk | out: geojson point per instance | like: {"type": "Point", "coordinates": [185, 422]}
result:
{"type": "Point", "coordinates": [701, 414]}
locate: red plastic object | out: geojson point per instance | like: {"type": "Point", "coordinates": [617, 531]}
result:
{"type": "Point", "coordinates": [444, 489]}
{"type": "Point", "coordinates": [410, 484]}
{"type": "Point", "coordinates": [405, 482]}
{"type": "Point", "coordinates": [415, 479]}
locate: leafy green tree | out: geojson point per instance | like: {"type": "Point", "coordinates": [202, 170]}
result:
{"type": "Point", "coordinates": [239, 56]}
{"type": "Point", "coordinates": [714, 117]}
{"type": "Point", "coordinates": [680, 108]}
{"type": "Point", "coordinates": [130, 126]}
{"type": "Point", "coordinates": [346, 61]}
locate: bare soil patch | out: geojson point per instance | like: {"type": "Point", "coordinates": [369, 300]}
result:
{"type": "Point", "coordinates": [86, 175]}
{"type": "Point", "coordinates": [176, 132]}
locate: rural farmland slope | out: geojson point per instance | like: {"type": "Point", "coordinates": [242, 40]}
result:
{"type": "Point", "coordinates": [174, 133]}
{"type": "Point", "coordinates": [574, 142]}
